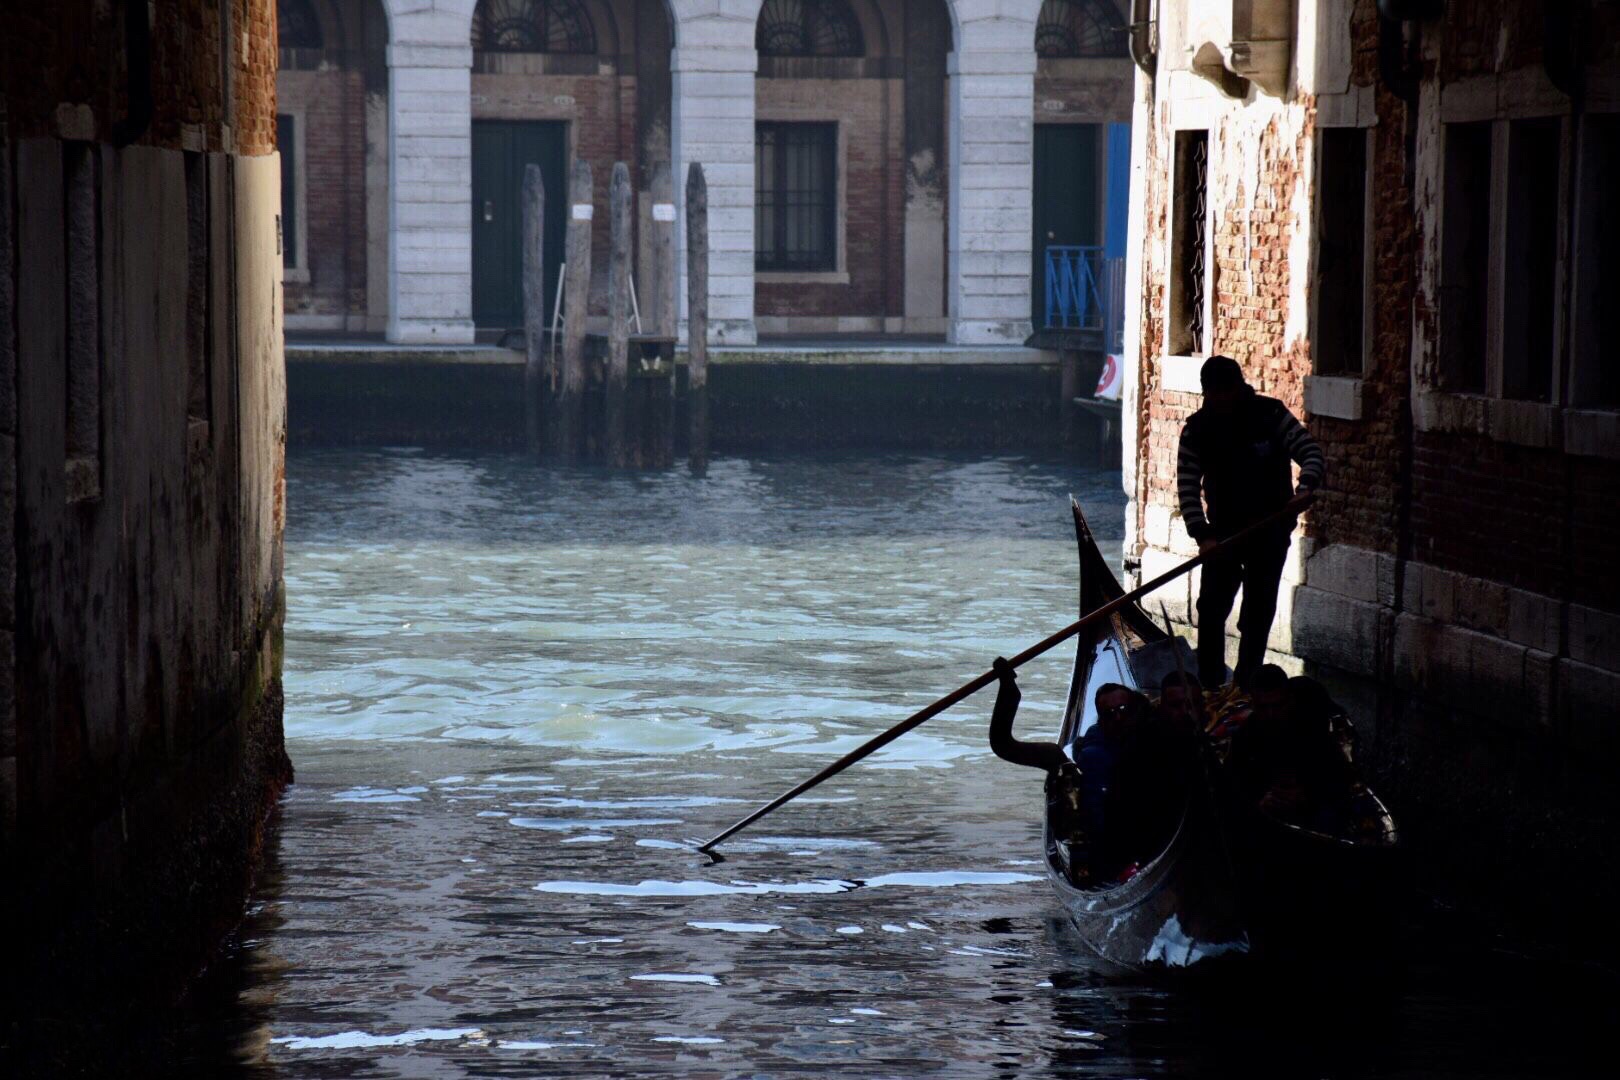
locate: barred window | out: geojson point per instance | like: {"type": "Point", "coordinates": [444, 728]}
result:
{"type": "Point", "coordinates": [1079, 28]}
{"type": "Point", "coordinates": [296, 25]}
{"type": "Point", "coordinates": [808, 28]}
{"type": "Point", "coordinates": [533, 26]}
{"type": "Point", "coordinates": [1187, 250]}
{"type": "Point", "coordinates": [795, 197]}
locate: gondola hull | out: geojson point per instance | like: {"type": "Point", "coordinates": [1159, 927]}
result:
{"type": "Point", "coordinates": [1229, 883]}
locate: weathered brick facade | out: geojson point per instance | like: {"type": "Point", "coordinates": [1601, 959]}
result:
{"type": "Point", "coordinates": [1455, 580]}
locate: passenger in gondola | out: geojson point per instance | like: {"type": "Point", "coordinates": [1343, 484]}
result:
{"type": "Point", "coordinates": [1116, 779]}
{"type": "Point", "coordinates": [1181, 701]}
{"type": "Point", "coordinates": [1286, 759]}
{"type": "Point", "coordinates": [1159, 764]}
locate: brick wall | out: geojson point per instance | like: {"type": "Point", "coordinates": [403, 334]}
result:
{"type": "Point", "coordinates": [331, 105]}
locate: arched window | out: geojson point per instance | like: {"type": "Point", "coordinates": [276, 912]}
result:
{"type": "Point", "coordinates": [1079, 28]}
{"type": "Point", "coordinates": [537, 26]}
{"type": "Point", "coordinates": [296, 25]}
{"type": "Point", "coordinates": [808, 28]}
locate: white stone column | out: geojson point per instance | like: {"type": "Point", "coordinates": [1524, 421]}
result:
{"type": "Point", "coordinates": [992, 139]}
{"type": "Point", "coordinates": [712, 118]}
{"type": "Point", "coordinates": [430, 172]}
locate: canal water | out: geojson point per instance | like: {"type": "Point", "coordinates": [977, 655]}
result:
{"type": "Point", "coordinates": [516, 696]}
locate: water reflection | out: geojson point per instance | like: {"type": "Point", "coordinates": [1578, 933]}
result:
{"type": "Point", "coordinates": [516, 697]}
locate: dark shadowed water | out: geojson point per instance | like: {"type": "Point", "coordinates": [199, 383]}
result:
{"type": "Point", "coordinates": [516, 696]}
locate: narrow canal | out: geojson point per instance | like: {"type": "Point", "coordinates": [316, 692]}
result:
{"type": "Point", "coordinates": [515, 695]}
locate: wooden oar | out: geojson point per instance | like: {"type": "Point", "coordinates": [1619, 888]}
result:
{"type": "Point", "coordinates": [922, 716]}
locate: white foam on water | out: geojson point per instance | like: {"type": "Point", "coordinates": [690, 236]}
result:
{"type": "Point", "coordinates": [523, 1044]}
{"type": "Point", "coordinates": [850, 930]}
{"type": "Point", "coordinates": [493, 813]}
{"type": "Point", "coordinates": [920, 926]}
{"type": "Point", "coordinates": [890, 928]}
{"type": "Point", "coordinates": [376, 795]}
{"type": "Point", "coordinates": [599, 941]}
{"type": "Point", "coordinates": [737, 927]}
{"type": "Point", "coordinates": [589, 824]}
{"type": "Point", "coordinates": [839, 1020]}
{"type": "Point", "coordinates": [867, 1012]}
{"type": "Point", "coordinates": [689, 1040]}
{"type": "Point", "coordinates": [917, 880]}
{"type": "Point", "coordinates": [588, 838]}
{"type": "Point", "coordinates": [665, 845]}
{"type": "Point", "coordinates": [664, 976]}
{"type": "Point", "coordinates": [360, 1040]}
{"type": "Point", "coordinates": [451, 780]}
{"type": "Point", "coordinates": [691, 888]}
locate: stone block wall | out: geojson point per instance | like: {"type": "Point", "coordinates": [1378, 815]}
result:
{"type": "Point", "coordinates": [142, 421]}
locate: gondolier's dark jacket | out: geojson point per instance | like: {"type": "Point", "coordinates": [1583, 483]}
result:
{"type": "Point", "coordinates": [1238, 465]}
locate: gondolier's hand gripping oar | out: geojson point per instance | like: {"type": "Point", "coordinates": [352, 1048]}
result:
{"type": "Point", "coordinates": [922, 716]}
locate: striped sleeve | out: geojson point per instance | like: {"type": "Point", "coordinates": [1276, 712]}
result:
{"type": "Point", "coordinates": [1303, 449]}
{"type": "Point", "coordinates": [1189, 488]}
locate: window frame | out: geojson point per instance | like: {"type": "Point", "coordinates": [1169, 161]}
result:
{"type": "Point", "coordinates": [1340, 394]}
{"type": "Point", "coordinates": [1564, 423]}
{"type": "Point", "coordinates": [833, 271]}
{"type": "Point", "coordinates": [297, 269]}
{"type": "Point", "coordinates": [1172, 294]}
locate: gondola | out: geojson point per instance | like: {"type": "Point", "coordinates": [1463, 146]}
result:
{"type": "Point", "coordinates": [1230, 882]}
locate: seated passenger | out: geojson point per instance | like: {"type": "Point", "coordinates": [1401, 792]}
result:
{"type": "Point", "coordinates": [1283, 758]}
{"type": "Point", "coordinates": [1106, 790]}
{"type": "Point", "coordinates": [1181, 701]}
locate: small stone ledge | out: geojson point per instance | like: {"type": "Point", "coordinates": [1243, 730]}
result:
{"type": "Point", "coordinates": [1339, 397]}
{"type": "Point", "coordinates": [1180, 374]}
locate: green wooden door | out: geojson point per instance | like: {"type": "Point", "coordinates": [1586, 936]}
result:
{"type": "Point", "coordinates": [1067, 208]}
{"type": "Point", "coordinates": [500, 150]}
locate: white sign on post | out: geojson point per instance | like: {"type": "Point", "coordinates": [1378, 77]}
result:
{"type": "Point", "coordinates": [584, 211]}
{"type": "Point", "coordinates": [663, 211]}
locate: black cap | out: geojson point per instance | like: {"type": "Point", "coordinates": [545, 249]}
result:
{"type": "Point", "coordinates": [1220, 373]}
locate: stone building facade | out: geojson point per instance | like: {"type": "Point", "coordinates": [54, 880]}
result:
{"type": "Point", "coordinates": [142, 420]}
{"type": "Point", "coordinates": [868, 161]}
{"type": "Point", "coordinates": [1398, 218]}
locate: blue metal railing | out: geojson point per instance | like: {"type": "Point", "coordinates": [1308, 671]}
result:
{"type": "Point", "coordinates": [1085, 291]}
{"type": "Point", "coordinates": [1073, 301]}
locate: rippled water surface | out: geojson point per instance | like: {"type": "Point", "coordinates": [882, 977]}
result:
{"type": "Point", "coordinates": [516, 696]}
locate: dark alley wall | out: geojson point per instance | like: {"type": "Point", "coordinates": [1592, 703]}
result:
{"type": "Point", "coordinates": [142, 421]}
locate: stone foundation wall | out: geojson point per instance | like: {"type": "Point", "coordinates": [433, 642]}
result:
{"type": "Point", "coordinates": [473, 400]}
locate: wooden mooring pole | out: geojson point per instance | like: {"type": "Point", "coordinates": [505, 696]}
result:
{"type": "Point", "coordinates": [567, 428]}
{"type": "Point", "coordinates": [662, 314]}
{"type": "Point", "coordinates": [697, 318]}
{"type": "Point", "coordinates": [536, 379]}
{"type": "Point", "coordinates": [618, 342]}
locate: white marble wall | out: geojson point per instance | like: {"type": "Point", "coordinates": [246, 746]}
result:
{"type": "Point", "coordinates": [430, 171]}
{"type": "Point", "coordinates": [712, 83]}
{"type": "Point", "coordinates": [991, 73]}
{"type": "Point", "coordinates": [992, 140]}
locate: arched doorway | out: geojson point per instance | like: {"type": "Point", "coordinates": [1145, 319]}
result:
{"type": "Point", "coordinates": [332, 133]}
{"type": "Point", "coordinates": [554, 81]}
{"type": "Point", "coordinates": [850, 172]}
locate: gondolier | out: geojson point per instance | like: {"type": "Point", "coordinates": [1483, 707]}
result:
{"type": "Point", "coordinates": [1232, 470]}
